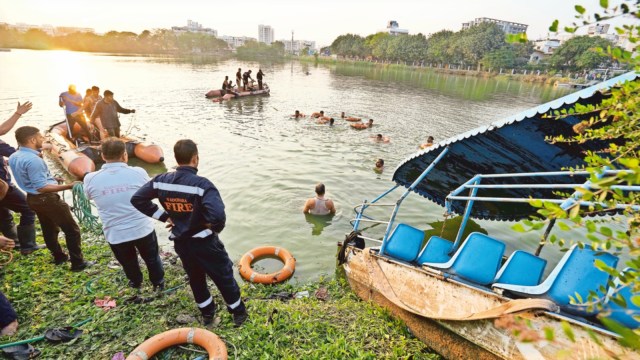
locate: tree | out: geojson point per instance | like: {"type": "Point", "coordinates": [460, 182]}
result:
{"type": "Point", "coordinates": [579, 53]}
{"type": "Point", "coordinates": [438, 46]}
{"type": "Point", "coordinates": [480, 40]}
{"type": "Point", "coordinates": [503, 58]}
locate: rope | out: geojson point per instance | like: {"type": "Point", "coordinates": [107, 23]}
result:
{"type": "Point", "coordinates": [82, 210]}
{"type": "Point", "coordinates": [10, 257]}
{"type": "Point", "coordinates": [444, 221]}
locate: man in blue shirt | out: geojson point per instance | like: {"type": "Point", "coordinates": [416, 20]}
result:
{"type": "Point", "coordinates": [72, 102]}
{"type": "Point", "coordinates": [14, 200]}
{"type": "Point", "coordinates": [127, 230]}
{"type": "Point", "coordinates": [33, 176]}
{"type": "Point", "coordinates": [193, 207]}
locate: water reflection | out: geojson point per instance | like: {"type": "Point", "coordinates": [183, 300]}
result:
{"type": "Point", "coordinates": [318, 222]}
{"type": "Point", "coordinates": [466, 87]}
{"type": "Point", "coordinates": [448, 228]}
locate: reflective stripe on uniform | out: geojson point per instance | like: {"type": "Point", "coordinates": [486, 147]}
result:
{"type": "Point", "coordinates": [235, 304]}
{"type": "Point", "coordinates": [206, 302]}
{"type": "Point", "coordinates": [203, 234]}
{"type": "Point", "coordinates": [179, 188]}
{"type": "Point", "coordinates": [156, 215]}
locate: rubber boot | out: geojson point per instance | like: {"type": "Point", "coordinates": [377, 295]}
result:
{"type": "Point", "coordinates": [208, 313]}
{"type": "Point", "coordinates": [27, 239]}
{"type": "Point", "coordinates": [9, 230]}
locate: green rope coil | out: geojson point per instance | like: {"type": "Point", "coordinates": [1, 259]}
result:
{"type": "Point", "coordinates": [82, 210]}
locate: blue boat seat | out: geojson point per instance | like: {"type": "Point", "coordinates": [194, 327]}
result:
{"type": "Point", "coordinates": [404, 243]}
{"type": "Point", "coordinates": [437, 250]}
{"type": "Point", "coordinates": [477, 260]}
{"type": "Point", "coordinates": [623, 315]}
{"type": "Point", "coordinates": [521, 268]}
{"type": "Point", "coordinates": [575, 273]}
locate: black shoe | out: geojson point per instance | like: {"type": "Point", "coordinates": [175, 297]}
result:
{"type": "Point", "coordinates": [159, 287]}
{"type": "Point", "coordinates": [61, 260]}
{"type": "Point", "coordinates": [133, 285]}
{"type": "Point", "coordinates": [82, 266]}
{"type": "Point", "coordinates": [240, 318]}
{"type": "Point", "coordinates": [208, 313]}
{"type": "Point", "coordinates": [31, 250]}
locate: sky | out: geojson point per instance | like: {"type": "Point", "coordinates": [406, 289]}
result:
{"type": "Point", "coordinates": [320, 21]}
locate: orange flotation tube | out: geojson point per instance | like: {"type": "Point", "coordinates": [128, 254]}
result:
{"type": "Point", "coordinates": [287, 270]}
{"type": "Point", "coordinates": [208, 340]}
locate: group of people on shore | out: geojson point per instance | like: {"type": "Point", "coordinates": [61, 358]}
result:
{"type": "Point", "coordinates": [97, 116]}
{"type": "Point", "coordinates": [191, 208]}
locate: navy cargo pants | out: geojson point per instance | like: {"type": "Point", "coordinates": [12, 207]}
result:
{"type": "Point", "coordinates": [207, 256]}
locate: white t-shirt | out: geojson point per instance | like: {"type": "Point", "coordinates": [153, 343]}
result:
{"type": "Point", "coordinates": [111, 188]}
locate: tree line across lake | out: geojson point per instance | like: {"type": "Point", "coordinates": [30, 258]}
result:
{"type": "Point", "coordinates": [160, 41]}
{"type": "Point", "coordinates": [484, 45]}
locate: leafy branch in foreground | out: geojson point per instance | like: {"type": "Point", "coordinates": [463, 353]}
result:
{"type": "Point", "coordinates": [615, 121]}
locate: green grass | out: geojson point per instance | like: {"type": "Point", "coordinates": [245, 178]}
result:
{"type": "Point", "coordinates": [343, 327]}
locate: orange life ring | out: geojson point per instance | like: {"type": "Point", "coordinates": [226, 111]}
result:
{"type": "Point", "coordinates": [283, 274]}
{"type": "Point", "coordinates": [216, 349]}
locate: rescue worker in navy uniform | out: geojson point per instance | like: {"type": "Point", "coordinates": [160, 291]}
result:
{"type": "Point", "coordinates": [194, 210]}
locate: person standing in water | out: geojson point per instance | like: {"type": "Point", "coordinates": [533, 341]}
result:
{"type": "Point", "coordinates": [318, 205]}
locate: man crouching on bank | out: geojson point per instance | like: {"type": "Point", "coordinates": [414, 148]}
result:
{"type": "Point", "coordinates": [193, 207]}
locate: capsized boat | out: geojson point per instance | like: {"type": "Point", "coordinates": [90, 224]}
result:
{"type": "Point", "coordinates": [460, 297]}
{"type": "Point", "coordinates": [217, 94]}
{"type": "Point", "coordinates": [82, 159]}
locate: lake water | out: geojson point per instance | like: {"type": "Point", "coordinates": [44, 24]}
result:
{"type": "Point", "coordinates": [264, 163]}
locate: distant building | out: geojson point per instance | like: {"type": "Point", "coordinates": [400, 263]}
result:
{"type": "Point", "coordinates": [236, 41]}
{"type": "Point", "coordinates": [265, 34]}
{"type": "Point", "coordinates": [394, 29]}
{"type": "Point", "coordinates": [543, 49]}
{"type": "Point", "coordinates": [194, 27]}
{"type": "Point", "coordinates": [298, 45]}
{"type": "Point", "coordinates": [66, 30]}
{"type": "Point", "coordinates": [598, 29]}
{"type": "Point", "coordinates": [49, 29]}
{"type": "Point", "coordinates": [507, 26]}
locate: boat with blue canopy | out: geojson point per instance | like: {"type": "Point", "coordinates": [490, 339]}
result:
{"type": "Point", "coordinates": [467, 298]}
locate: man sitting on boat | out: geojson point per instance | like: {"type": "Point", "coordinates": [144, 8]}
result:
{"type": "Point", "coordinates": [90, 101]}
{"type": "Point", "coordinates": [360, 125]}
{"type": "Point", "coordinates": [72, 102]}
{"type": "Point", "coordinates": [318, 205]}
{"type": "Point", "coordinates": [107, 110]}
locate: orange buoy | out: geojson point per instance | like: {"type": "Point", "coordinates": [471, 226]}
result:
{"type": "Point", "coordinates": [208, 340]}
{"type": "Point", "coordinates": [283, 274]}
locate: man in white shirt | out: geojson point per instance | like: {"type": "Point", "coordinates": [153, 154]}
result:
{"type": "Point", "coordinates": [125, 228]}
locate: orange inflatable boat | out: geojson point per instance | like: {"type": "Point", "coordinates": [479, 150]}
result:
{"type": "Point", "coordinates": [82, 159]}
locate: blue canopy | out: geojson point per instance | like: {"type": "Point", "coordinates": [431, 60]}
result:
{"type": "Point", "coordinates": [512, 145]}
